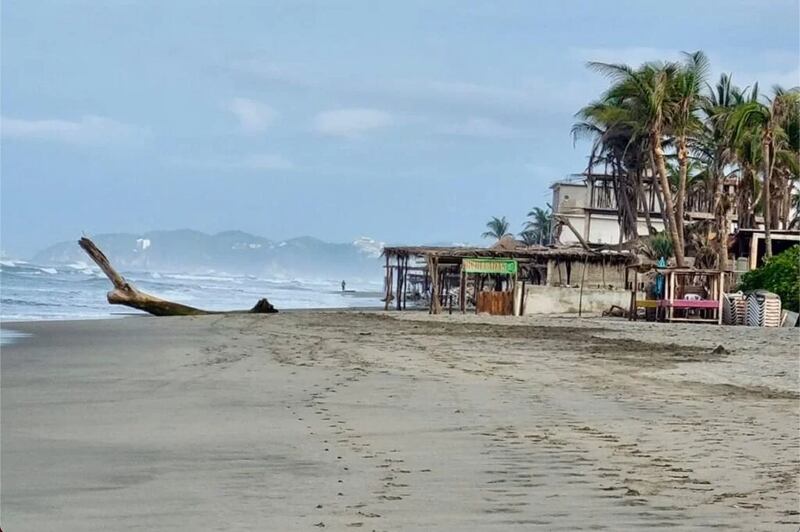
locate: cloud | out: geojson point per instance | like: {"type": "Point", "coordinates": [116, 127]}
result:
{"type": "Point", "coordinates": [351, 122]}
{"type": "Point", "coordinates": [253, 116]}
{"type": "Point", "coordinates": [89, 129]}
{"type": "Point", "coordinates": [480, 128]}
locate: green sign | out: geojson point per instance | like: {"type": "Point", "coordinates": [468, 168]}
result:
{"type": "Point", "coordinates": [498, 266]}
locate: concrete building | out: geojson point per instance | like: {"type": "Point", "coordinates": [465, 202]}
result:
{"type": "Point", "coordinates": [588, 202]}
{"type": "Point", "coordinates": [749, 246]}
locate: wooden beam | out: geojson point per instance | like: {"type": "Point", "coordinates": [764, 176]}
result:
{"type": "Point", "coordinates": [561, 219]}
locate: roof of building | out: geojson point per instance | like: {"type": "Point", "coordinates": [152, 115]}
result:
{"type": "Point", "coordinates": [516, 252]}
{"type": "Point", "coordinates": [789, 232]}
{"type": "Point", "coordinates": [577, 182]}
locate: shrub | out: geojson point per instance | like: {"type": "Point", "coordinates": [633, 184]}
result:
{"type": "Point", "coordinates": [781, 275]}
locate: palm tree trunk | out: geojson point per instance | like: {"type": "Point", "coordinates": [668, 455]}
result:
{"type": "Point", "coordinates": [721, 216]}
{"type": "Point", "coordinates": [627, 213]}
{"type": "Point", "coordinates": [669, 206]}
{"type": "Point", "coordinates": [786, 190]}
{"type": "Point", "coordinates": [767, 198]}
{"type": "Point", "coordinates": [781, 215]}
{"type": "Point", "coordinates": [643, 200]}
{"type": "Point", "coordinates": [775, 196]}
{"type": "Point", "coordinates": [779, 199]}
{"type": "Point", "coordinates": [745, 205]}
{"type": "Point", "coordinates": [647, 220]}
{"type": "Point", "coordinates": [680, 199]}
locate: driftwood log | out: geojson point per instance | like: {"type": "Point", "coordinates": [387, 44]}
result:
{"type": "Point", "coordinates": [124, 293]}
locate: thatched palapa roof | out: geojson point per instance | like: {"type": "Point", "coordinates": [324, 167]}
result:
{"type": "Point", "coordinates": [518, 251]}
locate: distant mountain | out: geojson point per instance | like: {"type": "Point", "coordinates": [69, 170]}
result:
{"type": "Point", "coordinates": [230, 251]}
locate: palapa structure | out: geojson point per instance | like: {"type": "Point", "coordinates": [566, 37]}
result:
{"type": "Point", "coordinates": [434, 273]}
{"type": "Point", "coordinates": [685, 294]}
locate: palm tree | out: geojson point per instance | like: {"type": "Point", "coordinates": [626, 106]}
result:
{"type": "Point", "coordinates": [766, 121]}
{"type": "Point", "coordinates": [787, 159]}
{"type": "Point", "coordinates": [537, 229]}
{"type": "Point", "coordinates": [623, 154]}
{"type": "Point", "coordinates": [529, 238]}
{"type": "Point", "coordinates": [497, 228]}
{"type": "Point", "coordinates": [685, 123]}
{"type": "Point", "coordinates": [657, 245]}
{"type": "Point", "coordinates": [714, 149]}
{"type": "Point", "coordinates": [644, 101]}
{"type": "Point", "coordinates": [656, 120]}
{"type": "Point", "coordinates": [748, 154]}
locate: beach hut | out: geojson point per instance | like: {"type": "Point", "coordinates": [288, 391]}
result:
{"type": "Point", "coordinates": [506, 279]}
{"type": "Point", "coordinates": [681, 294]}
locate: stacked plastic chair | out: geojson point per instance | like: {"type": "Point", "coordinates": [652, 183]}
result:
{"type": "Point", "coordinates": [734, 309]}
{"type": "Point", "coordinates": [763, 309]}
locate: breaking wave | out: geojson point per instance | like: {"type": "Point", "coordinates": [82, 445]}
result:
{"type": "Point", "coordinates": [78, 290]}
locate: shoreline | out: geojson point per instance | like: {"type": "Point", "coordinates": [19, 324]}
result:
{"type": "Point", "coordinates": [122, 315]}
{"type": "Point", "coordinates": [391, 421]}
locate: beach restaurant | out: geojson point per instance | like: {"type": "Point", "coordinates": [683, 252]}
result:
{"type": "Point", "coordinates": [507, 279]}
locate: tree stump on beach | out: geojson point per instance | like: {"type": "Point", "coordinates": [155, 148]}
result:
{"type": "Point", "coordinates": [124, 293]}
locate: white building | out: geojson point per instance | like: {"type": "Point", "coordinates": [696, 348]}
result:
{"type": "Point", "coordinates": [588, 202]}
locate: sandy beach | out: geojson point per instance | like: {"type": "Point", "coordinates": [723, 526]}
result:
{"type": "Point", "coordinates": [373, 421]}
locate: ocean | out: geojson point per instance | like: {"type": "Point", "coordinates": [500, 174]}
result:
{"type": "Point", "coordinates": [78, 291]}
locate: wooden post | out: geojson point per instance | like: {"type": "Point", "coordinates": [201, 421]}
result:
{"type": "Point", "coordinates": [603, 271]}
{"type": "Point", "coordinates": [398, 296]}
{"type": "Point", "coordinates": [671, 295]}
{"type": "Point", "coordinates": [588, 226]}
{"type": "Point", "coordinates": [433, 266]}
{"type": "Point", "coordinates": [580, 295]}
{"type": "Point", "coordinates": [477, 278]}
{"type": "Point", "coordinates": [442, 286]}
{"type": "Point", "coordinates": [388, 284]}
{"type": "Point", "coordinates": [405, 282]}
{"type": "Point", "coordinates": [721, 284]}
{"type": "Point", "coordinates": [405, 278]}
{"type": "Point", "coordinates": [632, 310]}
{"type": "Point", "coordinates": [442, 279]}
{"type": "Point", "coordinates": [430, 282]}
{"type": "Point", "coordinates": [462, 292]}
{"type": "Point", "coordinates": [438, 307]}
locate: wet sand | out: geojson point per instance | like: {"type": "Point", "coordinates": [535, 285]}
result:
{"type": "Point", "coordinates": [371, 421]}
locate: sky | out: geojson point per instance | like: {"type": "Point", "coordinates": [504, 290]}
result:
{"type": "Point", "coordinates": [410, 122]}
